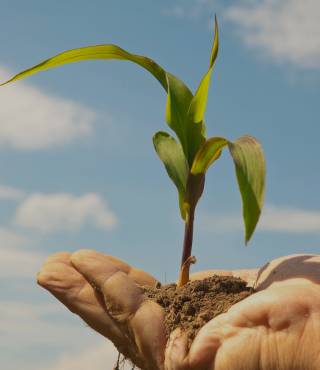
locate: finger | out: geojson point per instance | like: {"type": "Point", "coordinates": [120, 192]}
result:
{"type": "Point", "coordinates": [142, 321]}
{"type": "Point", "coordinates": [177, 351]}
{"type": "Point", "coordinates": [139, 276]}
{"type": "Point", "coordinates": [294, 269]}
{"type": "Point", "coordinates": [267, 330]}
{"type": "Point", "coordinates": [58, 257]}
{"type": "Point", "coordinates": [58, 274]}
{"type": "Point", "coordinates": [63, 281]}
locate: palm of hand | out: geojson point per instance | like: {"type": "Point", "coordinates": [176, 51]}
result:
{"type": "Point", "coordinates": [277, 328]}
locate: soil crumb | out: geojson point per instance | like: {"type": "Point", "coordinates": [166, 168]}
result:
{"type": "Point", "coordinates": [193, 305]}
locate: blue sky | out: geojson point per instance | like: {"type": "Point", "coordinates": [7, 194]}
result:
{"type": "Point", "coordinates": [78, 164]}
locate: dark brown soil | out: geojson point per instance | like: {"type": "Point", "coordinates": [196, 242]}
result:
{"type": "Point", "coordinates": [196, 303]}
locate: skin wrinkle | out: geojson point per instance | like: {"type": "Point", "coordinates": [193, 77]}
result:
{"type": "Point", "coordinates": [264, 325]}
{"type": "Point", "coordinates": [124, 316]}
{"type": "Point", "coordinates": [268, 350]}
{"type": "Point", "coordinates": [123, 319]}
{"type": "Point", "coordinates": [267, 347]}
{"type": "Point", "coordinates": [140, 329]}
{"type": "Point", "coordinates": [118, 310]}
{"type": "Point", "coordinates": [131, 350]}
{"type": "Point", "coordinates": [302, 335]}
{"type": "Point", "coordinates": [169, 350]}
{"type": "Point", "coordinates": [317, 358]}
{"type": "Point", "coordinates": [275, 329]}
{"type": "Point", "coordinates": [49, 272]}
{"type": "Point", "coordinates": [209, 357]}
{"type": "Point", "coordinates": [246, 335]}
{"type": "Point", "coordinates": [178, 345]}
{"type": "Point", "coordinates": [315, 320]}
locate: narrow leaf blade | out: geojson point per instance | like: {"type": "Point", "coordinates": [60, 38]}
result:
{"type": "Point", "coordinates": [104, 51]}
{"type": "Point", "coordinates": [171, 154]}
{"type": "Point", "coordinates": [178, 99]}
{"type": "Point", "coordinates": [178, 102]}
{"type": "Point", "coordinates": [250, 168]}
{"type": "Point", "coordinates": [198, 104]}
{"type": "Point", "coordinates": [208, 153]}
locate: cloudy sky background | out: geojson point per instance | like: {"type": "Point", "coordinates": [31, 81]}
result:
{"type": "Point", "coordinates": [79, 169]}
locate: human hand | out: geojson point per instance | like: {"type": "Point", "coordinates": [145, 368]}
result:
{"type": "Point", "coordinates": [277, 328]}
{"type": "Point", "coordinates": [105, 293]}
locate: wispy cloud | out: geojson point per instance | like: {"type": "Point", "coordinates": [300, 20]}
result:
{"type": "Point", "coordinates": [273, 219]}
{"type": "Point", "coordinates": [11, 239]}
{"type": "Point", "coordinates": [15, 260]}
{"type": "Point", "coordinates": [62, 211]}
{"type": "Point", "coordinates": [10, 193]}
{"type": "Point", "coordinates": [286, 31]}
{"type": "Point", "coordinates": [33, 119]}
{"type": "Point", "coordinates": [19, 263]}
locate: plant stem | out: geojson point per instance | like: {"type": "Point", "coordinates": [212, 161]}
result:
{"type": "Point", "coordinates": [187, 248]}
{"type": "Point", "coordinates": [188, 237]}
{"type": "Point", "coordinates": [194, 191]}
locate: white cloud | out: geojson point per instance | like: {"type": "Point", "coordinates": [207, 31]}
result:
{"type": "Point", "coordinates": [15, 260]}
{"type": "Point", "coordinates": [10, 239]}
{"type": "Point", "coordinates": [289, 219]}
{"type": "Point", "coordinates": [32, 119]}
{"type": "Point", "coordinates": [19, 263]}
{"type": "Point", "coordinates": [286, 31]}
{"type": "Point", "coordinates": [10, 193]}
{"type": "Point", "coordinates": [62, 211]}
{"type": "Point", "coordinates": [274, 218]}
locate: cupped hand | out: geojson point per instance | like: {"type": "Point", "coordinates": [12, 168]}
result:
{"type": "Point", "coordinates": [105, 292]}
{"type": "Point", "coordinates": [276, 328]}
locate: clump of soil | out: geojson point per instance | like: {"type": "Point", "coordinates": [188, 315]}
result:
{"type": "Point", "coordinates": [193, 305]}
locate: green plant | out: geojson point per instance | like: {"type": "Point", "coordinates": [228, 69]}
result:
{"type": "Point", "coordinates": [188, 158]}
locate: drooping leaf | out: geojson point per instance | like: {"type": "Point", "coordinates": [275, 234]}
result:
{"type": "Point", "coordinates": [107, 51]}
{"type": "Point", "coordinates": [207, 154]}
{"type": "Point", "coordinates": [179, 95]}
{"type": "Point", "coordinates": [199, 102]}
{"type": "Point", "coordinates": [249, 163]}
{"type": "Point", "coordinates": [250, 168]}
{"type": "Point", "coordinates": [171, 154]}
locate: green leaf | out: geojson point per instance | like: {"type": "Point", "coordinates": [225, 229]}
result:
{"type": "Point", "coordinates": [190, 135]}
{"type": "Point", "coordinates": [198, 104]}
{"type": "Point", "coordinates": [179, 95]}
{"type": "Point", "coordinates": [207, 154]}
{"type": "Point", "coordinates": [107, 51]}
{"type": "Point", "coordinates": [171, 154]}
{"type": "Point", "coordinates": [195, 186]}
{"type": "Point", "coordinates": [250, 168]}
{"type": "Point", "coordinates": [249, 163]}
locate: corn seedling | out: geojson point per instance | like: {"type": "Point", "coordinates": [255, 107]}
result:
{"type": "Point", "coordinates": [188, 156]}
